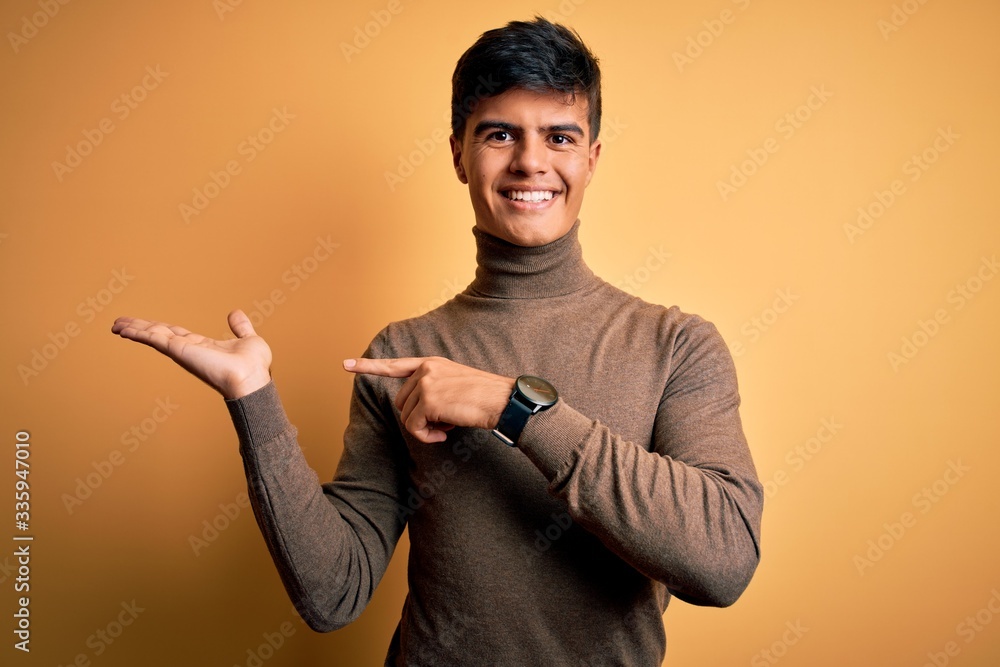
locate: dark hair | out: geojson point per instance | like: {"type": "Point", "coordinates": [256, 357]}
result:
{"type": "Point", "coordinates": [536, 55]}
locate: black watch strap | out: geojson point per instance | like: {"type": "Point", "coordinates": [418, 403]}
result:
{"type": "Point", "coordinates": [512, 421]}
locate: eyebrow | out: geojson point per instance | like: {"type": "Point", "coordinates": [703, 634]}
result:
{"type": "Point", "coordinates": [486, 125]}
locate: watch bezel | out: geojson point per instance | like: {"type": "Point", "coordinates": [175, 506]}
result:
{"type": "Point", "coordinates": [526, 387]}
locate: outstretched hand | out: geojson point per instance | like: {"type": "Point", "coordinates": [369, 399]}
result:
{"type": "Point", "coordinates": [233, 367]}
{"type": "Point", "coordinates": [440, 394]}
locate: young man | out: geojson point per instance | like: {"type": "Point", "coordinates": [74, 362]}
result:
{"type": "Point", "coordinates": [550, 519]}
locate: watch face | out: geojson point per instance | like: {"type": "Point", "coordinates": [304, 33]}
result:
{"type": "Point", "coordinates": [537, 390]}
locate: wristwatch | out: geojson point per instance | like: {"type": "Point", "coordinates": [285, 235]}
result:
{"type": "Point", "coordinates": [531, 394]}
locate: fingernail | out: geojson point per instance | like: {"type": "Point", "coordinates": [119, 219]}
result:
{"type": "Point", "coordinates": [350, 363]}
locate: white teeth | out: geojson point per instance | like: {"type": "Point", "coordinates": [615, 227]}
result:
{"type": "Point", "coordinates": [532, 195]}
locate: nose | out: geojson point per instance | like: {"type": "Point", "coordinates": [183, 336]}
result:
{"type": "Point", "coordinates": [530, 156]}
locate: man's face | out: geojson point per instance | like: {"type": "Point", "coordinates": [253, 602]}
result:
{"type": "Point", "coordinates": [527, 159]}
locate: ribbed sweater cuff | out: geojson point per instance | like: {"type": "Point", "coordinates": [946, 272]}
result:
{"type": "Point", "coordinates": [258, 417]}
{"type": "Point", "coordinates": [552, 438]}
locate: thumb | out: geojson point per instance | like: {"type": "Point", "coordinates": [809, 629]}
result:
{"type": "Point", "coordinates": [240, 324]}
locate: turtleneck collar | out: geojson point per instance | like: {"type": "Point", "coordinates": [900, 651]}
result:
{"type": "Point", "coordinates": [509, 271]}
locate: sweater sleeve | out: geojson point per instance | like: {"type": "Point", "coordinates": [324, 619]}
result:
{"type": "Point", "coordinates": [687, 513]}
{"type": "Point", "coordinates": [331, 542]}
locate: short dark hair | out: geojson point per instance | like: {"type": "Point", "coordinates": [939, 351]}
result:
{"type": "Point", "coordinates": [537, 55]}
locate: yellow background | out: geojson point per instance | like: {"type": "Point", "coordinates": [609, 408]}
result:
{"type": "Point", "coordinates": [674, 129]}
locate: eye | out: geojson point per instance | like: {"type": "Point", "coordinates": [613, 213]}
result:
{"type": "Point", "coordinates": [561, 139]}
{"type": "Point", "coordinates": [500, 135]}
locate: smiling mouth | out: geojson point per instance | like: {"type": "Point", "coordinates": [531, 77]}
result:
{"type": "Point", "coordinates": [529, 195]}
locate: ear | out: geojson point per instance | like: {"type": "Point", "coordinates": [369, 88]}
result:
{"type": "Point", "coordinates": [456, 156]}
{"type": "Point", "coordinates": [595, 154]}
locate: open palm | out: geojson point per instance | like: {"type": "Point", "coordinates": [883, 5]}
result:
{"type": "Point", "coordinates": [233, 367]}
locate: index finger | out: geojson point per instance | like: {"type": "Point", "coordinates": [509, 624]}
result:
{"type": "Point", "coordinates": [393, 368]}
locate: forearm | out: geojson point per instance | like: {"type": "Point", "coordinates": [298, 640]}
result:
{"type": "Point", "coordinates": [329, 555]}
{"type": "Point", "coordinates": [695, 528]}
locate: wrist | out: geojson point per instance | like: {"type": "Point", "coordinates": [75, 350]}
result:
{"type": "Point", "coordinates": [248, 385]}
{"type": "Point", "coordinates": [502, 398]}
{"type": "Point", "coordinates": [530, 395]}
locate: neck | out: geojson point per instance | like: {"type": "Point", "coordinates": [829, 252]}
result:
{"type": "Point", "coordinates": [509, 271]}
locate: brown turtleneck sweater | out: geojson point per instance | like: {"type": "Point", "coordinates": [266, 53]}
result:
{"type": "Point", "coordinates": [637, 485]}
